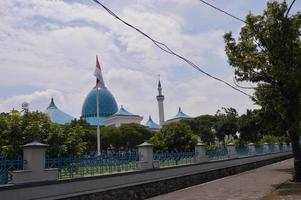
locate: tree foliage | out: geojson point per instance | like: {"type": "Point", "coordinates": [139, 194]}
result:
{"type": "Point", "coordinates": [268, 52]}
{"type": "Point", "coordinates": [174, 137]}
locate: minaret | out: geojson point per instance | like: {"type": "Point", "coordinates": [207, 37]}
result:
{"type": "Point", "coordinates": [160, 99]}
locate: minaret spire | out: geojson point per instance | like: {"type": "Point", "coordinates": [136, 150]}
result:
{"type": "Point", "coordinates": [160, 99]}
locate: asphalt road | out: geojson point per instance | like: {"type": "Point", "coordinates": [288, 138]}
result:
{"type": "Point", "coordinates": [249, 185]}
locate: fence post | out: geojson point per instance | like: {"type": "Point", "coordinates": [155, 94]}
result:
{"type": "Point", "coordinates": [146, 157]}
{"type": "Point", "coordinates": [200, 152]}
{"type": "Point", "coordinates": [252, 150]}
{"type": "Point", "coordinates": [266, 148]}
{"type": "Point", "coordinates": [231, 150]}
{"type": "Point", "coordinates": [34, 165]}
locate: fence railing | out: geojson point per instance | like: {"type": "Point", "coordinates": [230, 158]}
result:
{"type": "Point", "coordinates": [175, 158]}
{"type": "Point", "coordinates": [73, 167]}
{"type": "Point", "coordinates": [218, 154]}
{"type": "Point", "coordinates": [9, 165]}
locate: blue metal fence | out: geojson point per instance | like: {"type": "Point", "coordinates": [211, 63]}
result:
{"type": "Point", "coordinates": [9, 165]}
{"type": "Point", "coordinates": [243, 151]}
{"type": "Point", "coordinates": [175, 158]}
{"type": "Point", "coordinates": [71, 167]}
{"type": "Point", "coordinates": [218, 154]}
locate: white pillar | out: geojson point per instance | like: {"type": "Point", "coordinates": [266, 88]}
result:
{"type": "Point", "coordinates": [200, 152]}
{"type": "Point", "coordinates": [146, 157]}
{"type": "Point", "coordinates": [232, 151]}
{"type": "Point", "coordinates": [34, 165]}
{"type": "Point", "coordinates": [266, 148]}
{"type": "Point", "coordinates": [252, 150]}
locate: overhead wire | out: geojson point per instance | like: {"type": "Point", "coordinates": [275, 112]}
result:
{"type": "Point", "coordinates": [168, 50]}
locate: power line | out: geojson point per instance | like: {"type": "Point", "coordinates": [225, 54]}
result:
{"type": "Point", "coordinates": [223, 11]}
{"type": "Point", "coordinates": [289, 8]}
{"type": "Point", "coordinates": [166, 49]}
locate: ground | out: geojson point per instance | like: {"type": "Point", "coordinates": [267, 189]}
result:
{"type": "Point", "coordinates": [286, 191]}
{"type": "Point", "coordinates": [250, 185]}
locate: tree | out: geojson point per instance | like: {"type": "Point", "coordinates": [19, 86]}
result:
{"type": "Point", "coordinates": [73, 134]}
{"type": "Point", "coordinates": [226, 123]}
{"type": "Point", "coordinates": [174, 137]}
{"type": "Point", "coordinates": [56, 140]}
{"type": "Point", "coordinates": [268, 52]}
{"type": "Point", "coordinates": [249, 126]}
{"type": "Point", "coordinates": [111, 136]}
{"type": "Point", "coordinates": [203, 126]}
{"type": "Point", "coordinates": [35, 127]}
{"type": "Point", "coordinates": [89, 135]}
{"type": "Point", "coordinates": [134, 134]}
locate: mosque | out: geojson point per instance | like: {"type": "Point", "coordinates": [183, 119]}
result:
{"type": "Point", "coordinates": [109, 114]}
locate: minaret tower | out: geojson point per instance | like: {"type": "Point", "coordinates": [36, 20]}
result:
{"type": "Point", "coordinates": [160, 99]}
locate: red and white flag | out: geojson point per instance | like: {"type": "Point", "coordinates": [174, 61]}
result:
{"type": "Point", "coordinates": [98, 75]}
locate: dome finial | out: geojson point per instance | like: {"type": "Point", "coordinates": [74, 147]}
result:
{"type": "Point", "coordinates": [180, 110]}
{"type": "Point", "coordinates": [52, 104]}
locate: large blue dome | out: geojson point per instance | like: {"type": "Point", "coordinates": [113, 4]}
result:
{"type": "Point", "coordinates": [107, 106]}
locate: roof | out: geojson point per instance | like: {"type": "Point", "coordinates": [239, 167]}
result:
{"type": "Point", "coordinates": [180, 115]}
{"type": "Point", "coordinates": [56, 115]}
{"type": "Point", "coordinates": [93, 120]}
{"type": "Point", "coordinates": [151, 124]}
{"type": "Point", "coordinates": [123, 112]}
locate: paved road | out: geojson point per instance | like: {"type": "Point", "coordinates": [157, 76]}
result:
{"type": "Point", "coordinates": [249, 185]}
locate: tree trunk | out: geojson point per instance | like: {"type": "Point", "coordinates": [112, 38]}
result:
{"type": "Point", "coordinates": [297, 156]}
{"type": "Point", "coordinates": [293, 130]}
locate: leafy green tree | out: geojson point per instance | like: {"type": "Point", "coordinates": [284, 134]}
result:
{"type": "Point", "coordinates": [226, 123]}
{"type": "Point", "coordinates": [111, 136]}
{"type": "Point", "coordinates": [249, 126]}
{"type": "Point", "coordinates": [35, 127]}
{"type": "Point", "coordinates": [268, 52]}
{"type": "Point", "coordinates": [89, 136]}
{"type": "Point", "coordinates": [174, 137]}
{"type": "Point", "coordinates": [56, 140]}
{"type": "Point", "coordinates": [134, 134]}
{"type": "Point", "coordinates": [203, 126]}
{"type": "Point", "coordinates": [271, 121]}
{"type": "Point", "coordinates": [74, 142]}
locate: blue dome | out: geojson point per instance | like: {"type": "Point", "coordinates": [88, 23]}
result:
{"type": "Point", "coordinates": [107, 105]}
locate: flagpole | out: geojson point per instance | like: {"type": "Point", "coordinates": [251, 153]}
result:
{"type": "Point", "coordinates": [97, 115]}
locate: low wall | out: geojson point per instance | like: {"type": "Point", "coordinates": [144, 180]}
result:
{"type": "Point", "coordinates": [137, 184]}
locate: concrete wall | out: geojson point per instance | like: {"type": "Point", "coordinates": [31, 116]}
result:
{"type": "Point", "coordinates": [138, 184]}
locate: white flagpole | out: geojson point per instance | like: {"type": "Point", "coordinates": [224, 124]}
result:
{"type": "Point", "coordinates": [97, 115]}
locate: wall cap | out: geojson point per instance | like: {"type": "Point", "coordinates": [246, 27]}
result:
{"type": "Point", "coordinates": [145, 144]}
{"type": "Point", "coordinates": [35, 144]}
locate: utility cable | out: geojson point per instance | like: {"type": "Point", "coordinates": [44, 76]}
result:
{"type": "Point", "coordinates": [166, 49]}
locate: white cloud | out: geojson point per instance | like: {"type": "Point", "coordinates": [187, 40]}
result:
{"type": "Point", "coordinates": [52, 44]}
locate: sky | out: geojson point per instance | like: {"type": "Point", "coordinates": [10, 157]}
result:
{"type": "Point", "coordinates": [48, 49]}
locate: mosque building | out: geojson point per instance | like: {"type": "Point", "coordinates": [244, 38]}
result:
{"type": "Point", "coordinates": [109, 114]}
